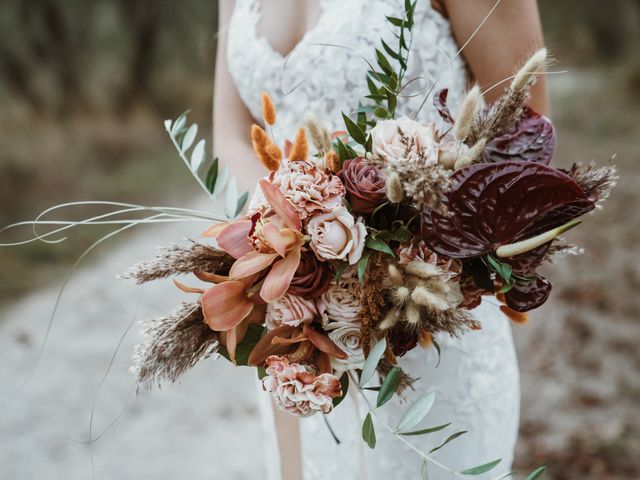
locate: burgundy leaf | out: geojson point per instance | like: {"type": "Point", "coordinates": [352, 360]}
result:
{"type": "Point", "coordinates": [440, 102]}
{"type": "Point", "coordinates": [533, 138]}
{"type": "Point", "coordinates": [525, 296]}
{"type": "Point", "coordinates": [493, 204]}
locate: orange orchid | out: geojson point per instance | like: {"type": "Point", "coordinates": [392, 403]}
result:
{"type": "Point", "coordinates": [268, 241]}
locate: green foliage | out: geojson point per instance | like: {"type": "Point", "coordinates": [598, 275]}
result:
{"type": "Point", "coordinates": [210, 177]}
{"type": "Point", "coordinates": [389, 386]}
{"type": "Point", "coordinates": [371, 363]}
{"type": "Point", "coordinates": [537, 473]}
{"type": "Point", "coordinates": [416, 412]}
{"type": "Point", "coordinates": [344, 386]}
{"type": "Point", "coordinates": [479, 470]}
{"type": "Point", "coordinates": [425, 431]}
{"type": "Point", "coordinates": [368, 431]}
{"type": "Point", "coordinates": [243, 349]}
{"type": "Point", "coordinates": [450, 438]}
{"type": "Point", "coordinates": [362, 265]}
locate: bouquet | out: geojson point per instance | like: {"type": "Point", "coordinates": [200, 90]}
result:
{"type": "Point", "coordinates": [360, 245]}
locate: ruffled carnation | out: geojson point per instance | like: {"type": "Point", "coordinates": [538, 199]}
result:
{"type": "Point", "coordinates": [336, 235]}
{"type": "Point", "coordinates": [416, 249]}
{"type": "Point", "coordinates": [309, 188]}
{"type": "Point", "coordinates": [290, 310]}
{"type": "Point", "coordinates": [297, 389]}
{"type": "Point", "coordinates": [403, 139]}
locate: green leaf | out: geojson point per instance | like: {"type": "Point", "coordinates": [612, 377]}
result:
{"type": "Point", "coordinates": [396, 22]}
{"type": "Point", "coordinates": [362, 265]}
{"type": "Point", "coordinates": [262, 372]}
{"type": "Point", "coordinates": [242, 200]}
{"type": "Point", "coordinates": [416, 412]}
{"type": "Point", "coordinates": [354, 130]}
{"type": "Point", "coordinates": [179, 124]}
{"type": "Point", "coordinates": [536, 473]}
{"type": "Point", "coordinates": [479, 470]}
{"type": "Point", "coordinates": [368, 145]}
{"type": "Point", "coordinates": [197, 155]}
{"type": "Point", "coordinates": [368, 432]}
{"type": "Point", "coordinates": [372, 389]}
{"type": "Point", "coordinates": [449, 439]}
{"type": "Point", "coordinates": [189, 137]}
{"type": "Point", "coordinates": [243, 349]}
{"type": "Point", "coordinates": [426, 431]}
{"type": "Point", "coordinates": [401, 234]}
{"type": "Point", "coordinates": [212, 176]}
{"type": "Point", "coordinates": [344, 386]}
{"type": "Point", "coordinates": [381, 112]}
{"type": "Point", "coordinates": [389, 50]}
{"type": "Point", "coordinates": [507, 475]}
{"type": "Point", "coordinates": [342, 266]}
{"type": "Point", "coordinates": [378, 245]}
{"type": "Point", "coordinates": [389, 386]}
{"type": "Point", "coordinates": [371, 363]}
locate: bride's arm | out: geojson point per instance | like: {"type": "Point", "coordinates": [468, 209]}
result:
{"type": "Point", "coordinates": [232, 143]}
{"type": "Point", "coordinates": [500, 47]}
{"type": "Point", "coordinates": [231, 118]}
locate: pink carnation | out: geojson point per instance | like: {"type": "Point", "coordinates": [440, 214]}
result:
{"type": "Point", "coordinates": [297, 389]}
{"type": "Point", "coordinates": [310, 189]}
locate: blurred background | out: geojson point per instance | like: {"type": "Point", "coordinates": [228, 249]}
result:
{"type": "Point", "coordinates": [84, 87]}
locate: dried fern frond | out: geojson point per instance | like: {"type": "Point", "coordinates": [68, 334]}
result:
{"type": "Point", "coordinates": [596, 182]}
{"type": "Point", "coordinates": [173, 345]}
{"type": "Point", "coordinates": [177, 259]}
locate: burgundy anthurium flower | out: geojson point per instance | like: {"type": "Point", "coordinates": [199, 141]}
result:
{"type": "Point", "coordinates": [532, 138]}
{"type": "Point", "coordinates": [493, 204]}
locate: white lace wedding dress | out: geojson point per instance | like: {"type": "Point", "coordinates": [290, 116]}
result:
{"type": "Point", "coordinates": [477, 380]}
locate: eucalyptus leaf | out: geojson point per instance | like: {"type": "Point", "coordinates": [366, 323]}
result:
{"type": "Point", "coordinates": [197, 155]}
{"type": "Point", "coordinates": [371, 363]}
{"type": "Point", "coordinates": [378, 245]}
{"type": "Point", "coordinates": [368, 431]}
{"type": "Point", "coordinates": [480, 469]}
{"type": "Point", "coordinates": [389, 386]}
{"type": "Point", "coordinates": [416, 412]}
{"type": "Point", "coordinates": [189, 137]}
{"type": "Point", "coordinates": [362, 266]}
{"type": "Point", "coordinates": [242, 201]}
{"type": "Point", "coordinates": [426, 431]}
{"type": "Point", "coordinates": [449, 439]}
{"type": "Point", "coordinates": [212, 175]}
{"type": "Point", "coordinates": [179, 124]}
{"type": "Point", "coordinates": [536, 473]}
{"type": "Point", "coordinates": [223, 176]}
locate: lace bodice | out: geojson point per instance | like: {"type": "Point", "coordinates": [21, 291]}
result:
{"type": "Point", "coordinates": [326, 80]}
{"type": "Point", "coordinates": [477, 381]}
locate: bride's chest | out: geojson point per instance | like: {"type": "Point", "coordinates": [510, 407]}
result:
{"type": "Point", "coordinates": [324, 72]}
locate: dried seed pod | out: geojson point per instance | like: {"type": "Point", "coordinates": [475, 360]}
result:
{"type": "Point", "coordinates": [471, 155]}
{"type": "Point", "coordinates": [425, 298]}
{"type": "Point", "coordinates": [395, 193]}
{"type": "Point", "coordinates": [468, 110]}
{"type": "Point", "coordinates": [533, 66]}
{"type": "Point", "coordinates": [412, 314]}
{"type": "Point", "coordinates": [260, 140]}
{"type": "Point", "coordinates": [395, 276]}
{"type": "Point", "coordinates": [447, 159]}
{"type": "Point", "coordinates": [300, 149]}
{"type": "Point", "coordinates": [422, 269]}
{"type": "Point", "coordinates": [332, 161]}
{"type": "Point", "coordinates": [274, 152]}
{"type": "Point", "coordinates": [268, 109]}
{"type": "Point", "coordinates": [389, 320]}
{"type": "Point", "coordinates": [401, 295]}
{"type": "Point", "coordinates": [319, 134]}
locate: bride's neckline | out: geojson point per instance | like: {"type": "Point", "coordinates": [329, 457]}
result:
{"type": "Point", "coordinates": [267, 43]}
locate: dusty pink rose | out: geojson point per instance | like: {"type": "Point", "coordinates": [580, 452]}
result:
{"type": "Point", "coordinates": [336, 235]}
{"type": "Point", "coordinates": [312, 278]}
{"type": "Point", "coordinates": [341, 302]}
{"type": "Point", "coordinates": [403, 138]}
{"type": "Point", "coordinates": [297, 389]}
{"type": "Point", "coordinates": [365, 184]}
{"type": "Point", "coordinates": [416, 249]}
{"type": "Point", "coordinates": [289, 310]}
{"type": "Point", "coordinates": [309, 188]}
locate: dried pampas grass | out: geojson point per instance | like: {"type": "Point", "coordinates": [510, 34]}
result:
{"type": "Point", "coordinates": [173, 345]}
{"type": "Point", "coordinates": [596, 182]}
{"type": "Point", "coordinates": [177, 259]}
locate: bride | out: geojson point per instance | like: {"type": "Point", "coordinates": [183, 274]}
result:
{"type": "Point", "coordinates": [308, 55]}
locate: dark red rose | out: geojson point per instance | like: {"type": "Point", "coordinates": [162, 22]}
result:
{"type": "Point", "coordinates": [365, 184]}
{"type": "Point", "coordinates": [312, 278]}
